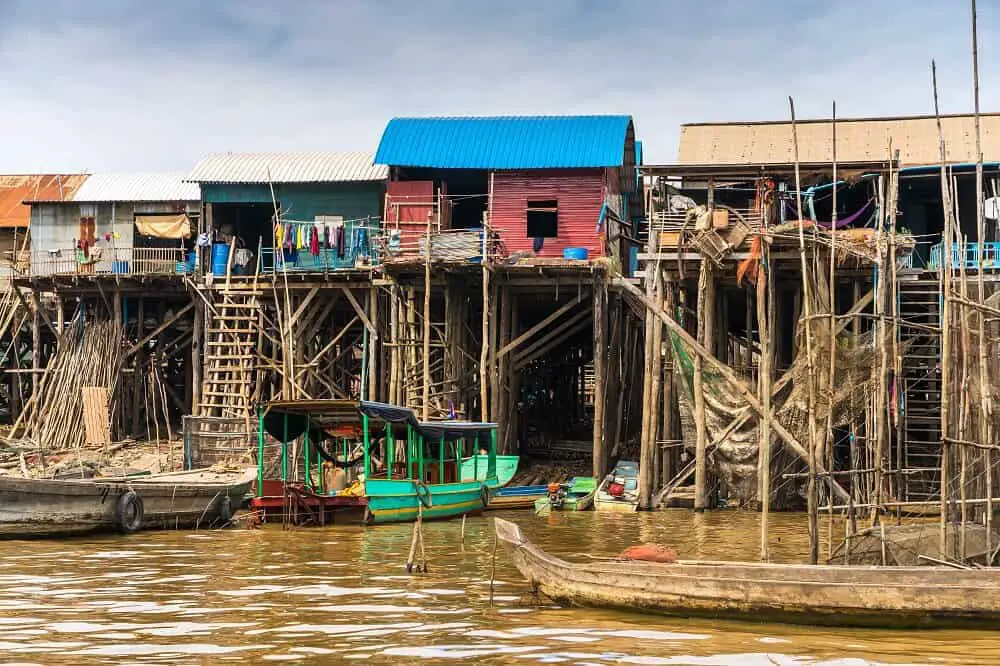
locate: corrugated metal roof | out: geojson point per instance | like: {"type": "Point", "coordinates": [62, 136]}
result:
{"type": "Point", "coordinates": [308, 167]}
{"type": "Point", "coordinates": [15, 190]}
{"type": "Point", "coordinates": [505, 142]}
{"type": "Point", "coordinates": [137, 187]}
{"type": "Point", "coordinates": [858, 140]}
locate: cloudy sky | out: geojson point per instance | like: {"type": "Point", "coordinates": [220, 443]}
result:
{"type": "Point", "coordinates": [118, 85]}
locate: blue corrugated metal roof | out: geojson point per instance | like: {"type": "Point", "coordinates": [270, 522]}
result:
{"type": "Point", "coordinates": [505, 142]}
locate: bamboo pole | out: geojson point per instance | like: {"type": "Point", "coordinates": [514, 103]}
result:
{"type": "Point", "coordinates": [946, 251]}
{"type": "Point", "coordinates": [985, 406]}
{"type": "Point", "coordinates": [765, 294]}
{"type": "Point", "coordinates": [807, 311]}
{"type": "Point", "coordinates": [832, 341]}
{"type": "Point", "coordinates": [426, 361]}
{"type": "Point", "coordinates": [600, 451]}
{"type": "Point", "coordinates": [963, 405]}
{"type": "Point", "coordinates": [484, 352]}
{"type": "Point", "coordinates": [649, 408]}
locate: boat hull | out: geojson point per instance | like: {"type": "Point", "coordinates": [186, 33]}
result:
{"type": "Point", "coordinates": [516, 497]}
{"type": "Point", "coordinates": [608, 504]}
{"type": "Point", "coordinates": [40, 507]}
{"type": "Point", "coordinates": [475, 468]}
{"type": "Point", "coordinates": [581, 502]}
{"type": "Point", "coordinates": [799, 594]}
{"type": "Point", "coordinates": [397, 501]}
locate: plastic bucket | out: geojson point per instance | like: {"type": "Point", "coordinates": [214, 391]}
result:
{"type": "Point", "coordinates": [220, 257]}
{"type": "Point", "coordinates": [578, 253]}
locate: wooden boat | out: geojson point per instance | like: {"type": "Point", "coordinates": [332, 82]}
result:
{"type": "Point", "coordinates": [577, 495]}
{"type": "Point", "coordinates": [41, 507]}
{"type": "Point", "coordinates": [799, 594]}
{"type": "Point", "coordinates": [625, 475]}
{"type": "Point", "coordinates": [516, 497]}
{"type": "Point", "coordinates": [476, 468]}
{"type": "Point", "coordinates": [423, 477]}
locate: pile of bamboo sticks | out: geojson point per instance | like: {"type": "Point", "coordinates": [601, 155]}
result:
{"type": "Point", "coordinates": [90, 357]}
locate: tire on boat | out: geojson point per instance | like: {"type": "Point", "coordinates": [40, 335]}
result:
{"type": "Point", "coordinates": [484, 495]}
{"type": "Point", "coordinates": [424, 494]}
{"type": "Point", "coordinates": [129, 512]}
{"type": "Point", "coordinates": [226, 508]}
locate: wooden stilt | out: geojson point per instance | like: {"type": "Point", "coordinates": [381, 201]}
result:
{"type": "Point", "coordinates": [946, 325]}
{"type": "Point", "coordinates": [810, 360]}
{"type": "Point", "coordinates": [765, 295]}
{"type": "Point", "coordinates": [706, 316]}
{"type": "Point", "coordinates": [600, 296]}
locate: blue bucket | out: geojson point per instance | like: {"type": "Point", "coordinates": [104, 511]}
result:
{"type": "Point", "coordinates": [578, 253]}
{"type": "Point", "coordinates": [220, 257]}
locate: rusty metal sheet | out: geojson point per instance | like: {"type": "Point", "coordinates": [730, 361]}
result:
{"type": "Point", "coordinates": [16, 189]}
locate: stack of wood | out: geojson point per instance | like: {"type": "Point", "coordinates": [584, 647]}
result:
{"type": "Point", "coordinates": [89, 358]}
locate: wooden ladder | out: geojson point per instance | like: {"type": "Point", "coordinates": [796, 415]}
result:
{"type": "Point", "coordinates": [232, 337]}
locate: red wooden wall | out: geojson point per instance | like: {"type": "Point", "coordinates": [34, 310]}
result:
{"type": "Point", "coordinates": [407, 205]}
{"type": "Point", "coordinates": [580, 196]}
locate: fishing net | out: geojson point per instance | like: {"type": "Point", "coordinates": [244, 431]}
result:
{"type": "Point", "coordinates": [734, 458]}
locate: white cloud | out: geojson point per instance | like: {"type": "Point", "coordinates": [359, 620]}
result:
{"type": "Point", "coordinates": [113, 85]}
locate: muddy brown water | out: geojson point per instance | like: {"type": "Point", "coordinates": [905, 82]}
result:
{"type": "Point", "coordinates": [339, 595]}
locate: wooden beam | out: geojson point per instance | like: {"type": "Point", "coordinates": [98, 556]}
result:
{"type": "Point", "coordinates": [545, 339]}
{"type": "Point", "coordinates": [159, 329]}
{"type": "Point", "coordinates": [372, 331]}
{"type": "Point", "coordinates": [527, 358]}
{"type": "Point", "coordinates": [519, 340]}
{"type": "Point", "coordinates": [302, 306]}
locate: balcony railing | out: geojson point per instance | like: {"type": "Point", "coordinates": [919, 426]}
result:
{"type": "Point", "coordinates": [448, 245]}
{"type": "Point", "coordinates": [359, 249]}
{"type": "Point", "coordinates": [988, 253]}
{"type": "Point", "coordinates": [109, 261]}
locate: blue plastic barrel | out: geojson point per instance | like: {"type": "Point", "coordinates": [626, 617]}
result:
{"type": "Point", "coordinates": [633, 260]}
{"type": "Point", "coordinates": [220, 257]}
{"type": "Point", "coordinates": [579, 253]}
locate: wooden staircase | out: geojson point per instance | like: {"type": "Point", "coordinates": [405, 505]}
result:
{"type": "Point", "coordinates": [920, 329]}
{"type": "Point", "coordinates": [232, 337]}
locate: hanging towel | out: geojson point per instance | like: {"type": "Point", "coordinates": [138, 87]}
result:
{"type": "Point", "coordinates": [537, 243]}
{"type": "Point", "coordinates": [314, 243]}
{"type": "Point", "coordinates": [278, 235]}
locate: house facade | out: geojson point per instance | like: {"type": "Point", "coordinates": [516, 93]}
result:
{"type": "Point", "coordinates": [328, 204]}
{"type": "Point", "coordinates": [548, 187]}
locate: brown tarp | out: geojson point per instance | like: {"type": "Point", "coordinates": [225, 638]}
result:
{"type": "Point", "coordinates": [164, 226]}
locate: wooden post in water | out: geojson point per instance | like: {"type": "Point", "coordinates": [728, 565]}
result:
{"type": "Point", "coordinates": [811, 379]}
{"type": "Point", "coordinates": [600, 296]}
{"type": "Point", "coordinates": [946, 254]}
{"type": "Point", "coordinates": [765, 294]}
{"type": "Point", "coordinates": [649, 411]}
{"type": "Point", "coordinates": [484, 353]}
{"type": "Point", "coordinates": [985, 405]}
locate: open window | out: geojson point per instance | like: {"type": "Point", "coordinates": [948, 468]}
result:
{"type": "Point", "coordinates": [543, 218]}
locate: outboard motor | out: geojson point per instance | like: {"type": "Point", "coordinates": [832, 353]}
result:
{"type": "Point", "coordinates": [557, 495]}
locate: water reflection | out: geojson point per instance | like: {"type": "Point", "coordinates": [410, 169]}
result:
{"type": "Point", "coordinates": [341, 594]}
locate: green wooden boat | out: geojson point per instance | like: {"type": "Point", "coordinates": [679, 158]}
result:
{"type": "Point", "coordinates": [577, 495]}
{"type": "Point", "coordinates": [391, 467]}
{"type": "Point", "coordinates": [476, 468]}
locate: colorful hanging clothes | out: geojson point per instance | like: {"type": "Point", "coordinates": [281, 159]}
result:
{"type": "Point", "coordinates": [314, 242]}
{"type": "Point", "coordinates": [279, 234]}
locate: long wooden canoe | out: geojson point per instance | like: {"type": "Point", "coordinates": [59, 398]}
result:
{"type": "Point", "coordinates": [799, 594]}
{"type": "Point", "coordinates": [40, 507]}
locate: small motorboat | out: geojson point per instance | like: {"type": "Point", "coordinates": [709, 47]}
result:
{"type": "Point", "coordinates": [516, 497]}
{"type": "Point", "coordinates": [619, 491]}
{"type": "Point", "coordinates": [889, 596]}
{"type": "Point", "coordinates": [575, 495]}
